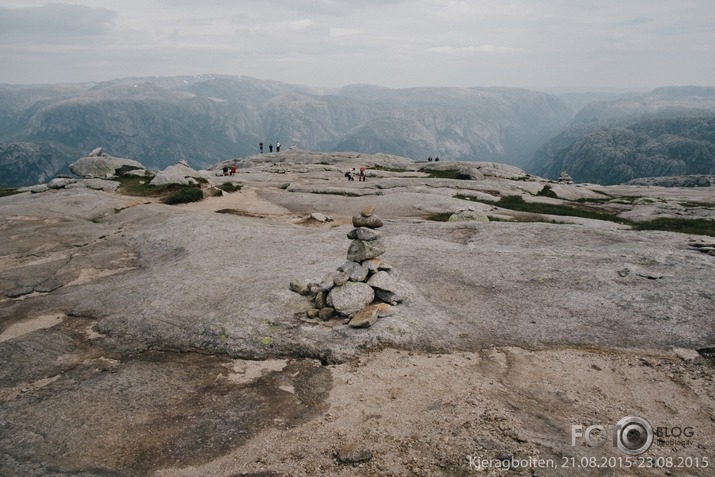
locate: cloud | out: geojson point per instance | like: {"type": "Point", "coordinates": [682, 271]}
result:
{"type": "Point", "coordinates": [55, 22]}
{"type": "Point", "coordinates": [486, 48]}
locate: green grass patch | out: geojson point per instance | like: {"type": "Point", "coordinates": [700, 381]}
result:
{"type": "Point", "coordinates": [516, 202]}
{"type": "Point", "coordinates": [440, 217]}
{"type": "Point", "coordinates": [184, 196]}
{"type": "Point", "coordinates": [4, 192]}
{"type": "Point", "coordinates": [704, 205]}
{"type": "Point", "coordinates": [387, 169]}
{"type": "Point", "coordinates": [230, 187]}
{"type": "Point", "coordinates": [547, 191]}
{"type": "Point", "coordinates": [593, 200]}
{"type": "Point", "coordinates": [685, 226]}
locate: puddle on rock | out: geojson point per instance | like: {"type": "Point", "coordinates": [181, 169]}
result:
{"type": "Point", "coordinates": [32, 324]}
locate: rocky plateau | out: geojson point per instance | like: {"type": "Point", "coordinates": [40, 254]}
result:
{"type": "Point", "coordinates": [145, 339]}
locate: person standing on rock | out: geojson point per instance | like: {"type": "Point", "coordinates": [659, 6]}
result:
{"type": "Point", "coordinates": [270, 148]}
{"type": "Point", "coordinates": [361, 176]}
{"type": "Point", "coordinates": [278, 147]}
{"type": "Point", "coordinates": [260, 147]}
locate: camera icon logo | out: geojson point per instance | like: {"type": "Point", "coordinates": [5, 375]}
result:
{"type": "Point", "coordinates": [634, 435]}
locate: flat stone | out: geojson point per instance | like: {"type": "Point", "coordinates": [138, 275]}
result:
{"type": "Point", "coordinates": [364, 233]}
{"type": "Point", "coordinates": [360, 250]}
{"type": "Point", "coordinates": [321, 217]}
{"type": "Point", "coordinates": [372, 222]}
{"type": "Point", "coordinates": [393, 298]}
{"type": "Point", "coordinates": [364, 318]}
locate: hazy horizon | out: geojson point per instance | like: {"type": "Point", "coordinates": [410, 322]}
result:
{"type": "Point", "coordinates": [556, 45]}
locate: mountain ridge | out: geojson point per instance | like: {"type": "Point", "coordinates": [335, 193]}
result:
{"type": "Point", "coordinates": [208, 118]}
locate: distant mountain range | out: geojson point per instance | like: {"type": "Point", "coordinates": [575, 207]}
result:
{"type": "Point", "coordinates": [207, 119]}
{"type": "Point", "coordinates": [667, 132]}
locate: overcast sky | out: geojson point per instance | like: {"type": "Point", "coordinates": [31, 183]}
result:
{"type": "Point", "coordinates": [537, 44]}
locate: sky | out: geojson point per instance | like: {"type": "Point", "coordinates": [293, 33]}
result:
{"type": "Point", "coordinates": [535, 44]}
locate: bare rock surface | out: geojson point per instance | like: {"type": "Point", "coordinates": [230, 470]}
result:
{"type": "Point", "coordinates": [144, 339]}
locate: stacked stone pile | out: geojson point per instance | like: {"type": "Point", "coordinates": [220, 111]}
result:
{"type": "Point", "coordinates": [364, 288]}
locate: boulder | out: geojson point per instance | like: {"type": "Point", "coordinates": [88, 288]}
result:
{"type": "Point", "coordinates": [468, 215]}
{"type": "Point", "coordinates": [60, 183]}
{"type": "Point", "coordinates": [360, 250]}
{"type": "Point", "coordinates": [93, 167]}
{"type": "Point", "coordinates": [179, 173]}
{"type": "Point", "coordinates": [351, 297]}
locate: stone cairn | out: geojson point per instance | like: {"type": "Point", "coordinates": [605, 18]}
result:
{"type": "Point", "coordinates": [363, 289]}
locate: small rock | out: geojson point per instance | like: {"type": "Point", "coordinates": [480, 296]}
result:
{"type": "Point", "coordinates": [341, 279]}
{"type": "Point", "coordinates": [326, 313]}
{"type": "Point", "coordinates": [312, 313]}
{"type": "Point", "coordinates": [320, 217]}
{"type": "Point", "coordinates": [686, 354]}
{"type": "Point", "coordinates": [367, 211]}
{"type": "Point", "coordinates": [300, 287]}
{"type": "Point", "coordinates": [624, 272]}
{"type": "Point", "coordinates": [320, 299]}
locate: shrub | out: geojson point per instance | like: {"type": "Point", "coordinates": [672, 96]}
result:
{"type": "Point", "coordinates": [184, 196]}
{"type": "Point", "coordinates": [230, 187]}
{"type": "Point", "coordinates": [5, 192]}
{"type": "Point", "coordinates": [547, 191]}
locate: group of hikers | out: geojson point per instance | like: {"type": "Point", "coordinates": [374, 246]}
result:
{"type": "Point", "coordinates": [229, 171]}
{"type": "Point", "coordinates": [270, 147]}
{"type": "Point", "coordinates": [351, 174]}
